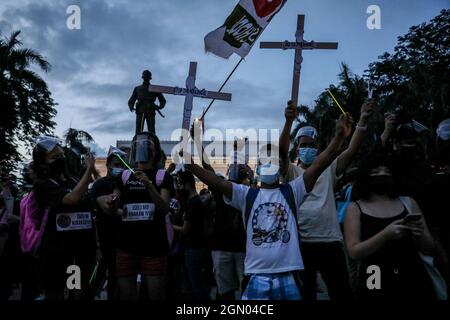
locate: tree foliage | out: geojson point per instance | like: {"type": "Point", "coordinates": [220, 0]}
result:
{"type": "Point", "coordinates": [27, 107]}
{"type": "Point", "coordinates": [413, 81]}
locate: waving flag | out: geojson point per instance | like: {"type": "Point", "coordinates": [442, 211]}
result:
{"type": "Point", "coordinates": [242, 27]}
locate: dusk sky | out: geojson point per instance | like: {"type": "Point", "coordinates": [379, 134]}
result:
{"type": "Point", "coordinates": [95, 69]}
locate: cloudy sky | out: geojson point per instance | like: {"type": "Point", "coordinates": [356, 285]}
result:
{"type": "Point", "coordinates": [95, 68]}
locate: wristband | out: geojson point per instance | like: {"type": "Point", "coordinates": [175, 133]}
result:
{"type": "Point", "coordinates": [362, 128]}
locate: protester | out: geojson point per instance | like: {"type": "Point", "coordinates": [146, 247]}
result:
{"type": "Point", "coordinates": [228, 246]}
{"type": "Point", "coordinates": [257, 239]}
{"type": "Point", "coordinates": [176, 288]}
{"type": "Point", "coordinates": [387, 231]}
{"type": "Point", "coordinates": [322, 247]}
{"type": "Point", "coordinates": [10, 255]}
{"type": "Point", "coordinates": [105, 205]}
{"type": "Point", "coordinates": [273, 255]}
{"type": "Point", "coordinates": [142, 240]}
{"type": "Point", "coordinates": [196, 250]}
{"type": "Point", "coordinates": [402, 139]}
{"type": "Point", "coordinates": [69, 237]}
{"type": "Point", "coordinates": [405, 139]}
{"type": "Point", "coordinates": [439, 203]}
{"type": "Point", "coordinates": [228, 239]}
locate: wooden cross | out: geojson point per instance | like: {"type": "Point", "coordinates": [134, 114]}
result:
{"type": "Point", "coordinates": [299, 45]}
{"type": "Point", "coordinates": [190, 91]}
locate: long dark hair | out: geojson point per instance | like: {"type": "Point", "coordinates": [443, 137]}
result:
{"type": "Point", "coordinates": [159, 157]}
{"type": "Point", "coordinates": [361, 189]}
{"type": "Point", "coordinates": [40, 173]}
{"type": "Point", "coordinates": [39, 166]}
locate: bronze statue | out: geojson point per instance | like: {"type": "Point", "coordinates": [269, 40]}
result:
{"type": "Point", "coordinates": [145, 106]}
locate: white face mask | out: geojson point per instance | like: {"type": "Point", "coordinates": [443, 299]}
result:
{"type": "Point", "coordinates": [268, 173]}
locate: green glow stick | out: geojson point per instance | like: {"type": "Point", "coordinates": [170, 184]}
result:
{"type": "Point", "coordinates": [126, 164]}
{"type": "Point", "coordinates": [93, 273]}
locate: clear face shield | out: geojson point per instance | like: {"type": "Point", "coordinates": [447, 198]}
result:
{"type": "Point", "coordinates": [443, 130]}
{"type": "Point", "coordinates": [143, 148]}
{"type": "Point", "coordinates": [47, 143]}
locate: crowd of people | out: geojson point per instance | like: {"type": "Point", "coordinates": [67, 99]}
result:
{"type": "Point", "coordinates": [306, 229]}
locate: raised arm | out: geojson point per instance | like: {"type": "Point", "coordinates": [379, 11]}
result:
{"type": "Point", "coordinates": [210, 179]}
{"type": "Point", "coordinates": [290, 114]}
{"type": "Point", "coordinates": [196, 136]}
{"type": "Point", "coordinates": [343, 130]}
{"type": "Point", "coordinates": [389, 127]}
{"type": "Point", "coordinates": [161, 200]}
{"type": "Point", "coordinates": [357, 139]}
{"type": "Point", "coordinates": [75, 196]}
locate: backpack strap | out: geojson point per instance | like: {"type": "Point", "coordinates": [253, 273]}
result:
{"type": "Point", "coordinates": [160, 177]}
{"type": "Point", "coordinates": [249, 201]}
{"type": "Point", "coordinates": [348, 193]}
{"type": "Point", "coordinates": [288, 194]}
{"type": "Point", "coordinates": [126, 174]}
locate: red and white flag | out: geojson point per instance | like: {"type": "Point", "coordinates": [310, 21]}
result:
{"type": "Point", "coordinates": [242, 27]}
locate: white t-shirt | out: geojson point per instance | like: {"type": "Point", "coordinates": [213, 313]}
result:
{"type": "Point", "coordinates": [317, 216]}
{"type": "Point", "coordinates": [272, 236]}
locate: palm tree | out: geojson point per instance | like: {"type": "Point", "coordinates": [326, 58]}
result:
{"type": "Point", "coordinates": [351, 92]}
{"type": "Point", "coordinates": [74, 150]}
{"type": "Point", "coordinates": [27, 108]}
{"type": "Point", "coordinates": [74, 139]}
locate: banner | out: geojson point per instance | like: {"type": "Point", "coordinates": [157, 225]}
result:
{"type": "Point", "coordinates": [242, 27]}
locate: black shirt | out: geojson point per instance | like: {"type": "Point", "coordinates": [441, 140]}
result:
{"type": "Point", "coordinates": [107, 224]}
{"type": "Point", "coordinates": [439, 222]}
{"type": "Point", "coordinates": [403, 273]}
{"type": "Point", "coordinates": [68, 228]}
{"type": "Point", "coordinates": [143, 229]}
{"type": "Point", "coordinates": [229, 231]}
{"type": "Point", "coordinates": [195, 215]}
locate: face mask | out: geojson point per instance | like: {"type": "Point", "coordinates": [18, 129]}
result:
{"type": "Point", "coordinates": [307, 155]}
{"type": "Point", "coordinates": [115, 172]}
{"type": "Point", "coordinates": [56, 167]}
{"type": "Point", "coordinates": [268, 174]}
{"type": "Point", "coordinates": [381, 184]}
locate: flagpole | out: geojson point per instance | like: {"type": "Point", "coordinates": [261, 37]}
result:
{"type": "Point", "coordinates": [220, 90]}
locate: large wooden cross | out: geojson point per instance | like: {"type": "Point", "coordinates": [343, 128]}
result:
{"type": "Point", "coordinates": [299, 45]}
{"type": "Point", "coordinates": [190, 91]}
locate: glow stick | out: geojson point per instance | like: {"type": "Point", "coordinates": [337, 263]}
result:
{"type": "Point", "coordinates": [93, 273]}
{"type": "Point", "coordinates": [126, 164]}
{"type": "Point", "coordinates": [332, 96]}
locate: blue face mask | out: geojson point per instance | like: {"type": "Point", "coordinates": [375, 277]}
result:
{"type": "Point", "coordinates": [268, 174]}
{"type": "Point", "coordinates": [115, 172]}
{"type": "Point", "coordinates": [307, 155]}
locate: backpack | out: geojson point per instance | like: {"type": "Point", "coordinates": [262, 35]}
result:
{"type": "Point", "coordinates": [32, 223]}
{"type": "Point", "coordinates": [169, 226]}
{"type": "Point", "coordinates": [286, 191]}
{"type": "Point", "coordinates": [342, 206]}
